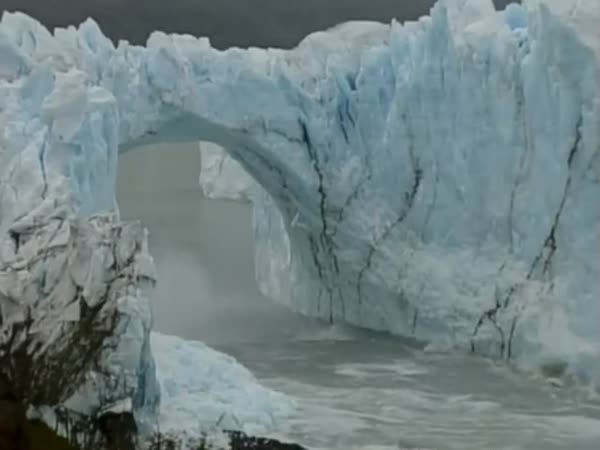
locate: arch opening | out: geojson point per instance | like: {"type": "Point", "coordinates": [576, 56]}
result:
{"type": "Point", "coordinates": [293, 260]}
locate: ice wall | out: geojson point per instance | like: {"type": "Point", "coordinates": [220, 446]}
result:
{"type": "Point", "coordinates": [437, 179]}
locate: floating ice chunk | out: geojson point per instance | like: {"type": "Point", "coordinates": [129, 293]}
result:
{"type": "Point", "coordinates": [202, 389]}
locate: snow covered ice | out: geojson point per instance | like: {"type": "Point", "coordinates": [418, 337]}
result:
{"type": "Point", "coordinates": [438, 179]}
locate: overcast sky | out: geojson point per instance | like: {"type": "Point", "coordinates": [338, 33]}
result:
{"type": "Point", "coordinates": [263, 23]}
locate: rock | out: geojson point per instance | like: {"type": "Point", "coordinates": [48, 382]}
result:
{"type": "Point", "coordinates": [41, 437]}
{"type": "Point", "coordinates": [220, 440]}
{"type": "Point", "coordinates": [241, 441]}
{"type": "Point", "coordinates": [13, 426]}
{"type": "Point", "coordinates": [119, 431]}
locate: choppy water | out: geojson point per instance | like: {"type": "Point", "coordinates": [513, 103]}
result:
{"type": "Point", "coordinates": [355, 389]}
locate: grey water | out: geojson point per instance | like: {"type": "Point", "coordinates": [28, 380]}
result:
{"type": "Point", "coordinates": [355, 389]}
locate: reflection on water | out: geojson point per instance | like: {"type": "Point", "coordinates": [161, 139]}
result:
{"type": "Point", "coordinates": [355, 389]}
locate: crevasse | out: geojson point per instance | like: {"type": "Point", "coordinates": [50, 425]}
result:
{"type": "Point", "coordinates": [438, 178]}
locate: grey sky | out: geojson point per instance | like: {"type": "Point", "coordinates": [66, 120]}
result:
{"type": "Point", "coordinates": [276, 23]}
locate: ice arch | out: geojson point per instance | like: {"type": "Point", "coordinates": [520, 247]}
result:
{"type": "Point", "coordinates": [438, 178]}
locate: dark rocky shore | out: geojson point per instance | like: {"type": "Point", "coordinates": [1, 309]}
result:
{"type": "Point", "coordinates": [114, 433]}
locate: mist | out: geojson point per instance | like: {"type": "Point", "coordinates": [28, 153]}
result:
{"type": "Point", "coordinates": [203, 250]}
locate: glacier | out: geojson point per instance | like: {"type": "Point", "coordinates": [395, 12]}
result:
{"type": "Point", "coordinates": [436, 179]}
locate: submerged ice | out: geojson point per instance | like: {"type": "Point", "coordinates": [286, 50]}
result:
{"type": "Point", "coordinates": [438, 178]}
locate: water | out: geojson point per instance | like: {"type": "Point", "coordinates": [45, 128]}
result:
{"type": "Point", "coordinates": [355, 389]}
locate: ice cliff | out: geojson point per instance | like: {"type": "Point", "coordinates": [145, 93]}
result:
{"type": "Point", "coordinates": [437, 178]}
